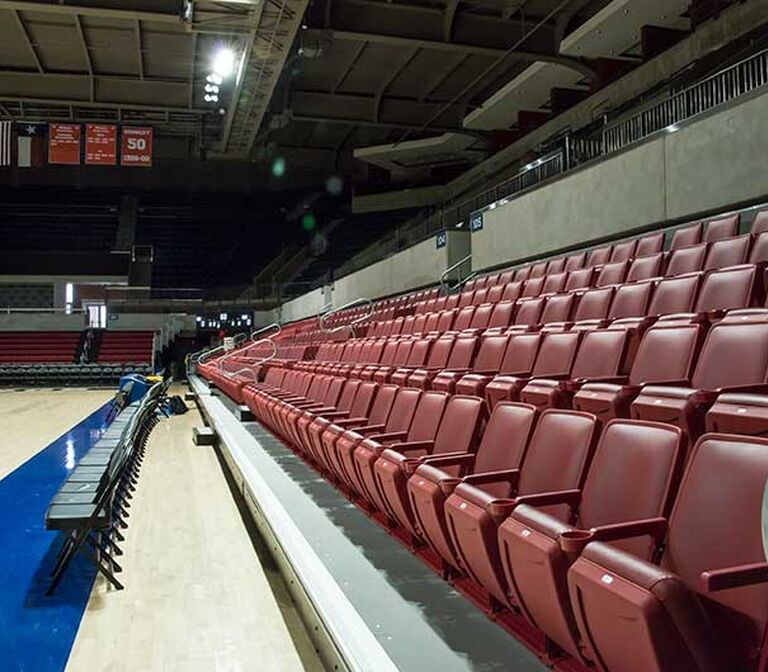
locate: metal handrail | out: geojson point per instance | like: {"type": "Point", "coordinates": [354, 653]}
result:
{"type": "Point", "coordinates": [350, 325]}
{"type": "Point", "coordinates": [444, 276]}
{"type": "Point", "coordinates": [245, 369]}
{"type": "Point", "coordinates": [267, 328]}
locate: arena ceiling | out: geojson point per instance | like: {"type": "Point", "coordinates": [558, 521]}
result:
{"type": "Point", "coordinates": [318, 79]}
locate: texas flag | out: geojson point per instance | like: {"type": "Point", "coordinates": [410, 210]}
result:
{"type": "Point", "coordinates": [31, 144]}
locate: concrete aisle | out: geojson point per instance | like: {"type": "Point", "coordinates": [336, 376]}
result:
{"type": "Point", "coordinates": [197, 596]}
{"type": "Point", "coordinates": [33, 418]}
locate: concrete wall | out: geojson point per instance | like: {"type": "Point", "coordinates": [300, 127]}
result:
{"type": "Point", "coordinates": [417, 266]}
{"type": "Point", "coordinates": [41, 322]}
{"type": "Point", "coordinates": [711, 164]}
{"type": "Point", "coordinates": [167, 325]}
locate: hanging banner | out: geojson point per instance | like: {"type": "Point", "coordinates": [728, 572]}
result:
{"type": "Point", "coordinates": [64, 144]}
{"type": "Point", "coordinates": [136, 146]}
{"type": "Point", "coordinates": [100, 144]}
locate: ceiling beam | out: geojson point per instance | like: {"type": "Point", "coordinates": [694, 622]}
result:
{"type": "Point", "coordinates": [429, 90]}
{"type": "Point", "coordinates": [118, 106]}
{"type": "Point", "coordinates": [367, 123]}
{"type": "Point", "coordinates": [82, 10]}
{"type": "Point", "coordinates": [450, 13]}
{"type": "Point", "coordinates": [28, 40]}
{"type": "Point", "coordinates": [192, 66]}
{"type": "Point", "coordinates": [455, 47]}
{"type": "Point", "coordinates": [383, 88]}
{"type": "Point", "coordinates": [86, 56]}
{"type": "Point", "coordinates": [48, 74]}
{"type": "Point", "coordinates": [355, 58]}
{"type": "Point", "coordinates": [139, 48]}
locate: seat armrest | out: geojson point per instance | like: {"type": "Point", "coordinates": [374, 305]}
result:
{"type": "Point", "coordinates": [734, 577]}
{"type": "Point", "coordinates": [369, 429]}
{"type": "Point", "coordinates": [760, 388]}
{"type": "Point", "coordinates": [347, 423]}
{"type": "Point", "coordinates": [414, 447]}
{"type": "Point", "coordinates": [450, 460]}
{"type": "Point", "coordinates": [570, 497]}
{"type": "Point", "coordinates": [485, 372]}
{"type": "Point", "coordinates": [610, 380]}
{"type": "Point", "coordinates": [654, 527]}
{"type": "Point", "coordinates": [388, 436]}
{"type": "Point", "coordinates": [510, 476]}
{"type": "Point", "coordinates": [331, 414]}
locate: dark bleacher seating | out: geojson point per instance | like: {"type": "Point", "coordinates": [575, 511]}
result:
{"type": "Point", "coordinates": [527, 436]}
{"type": "Point", "coordinates": [126, 346]}
{"type": "Point", "coordinates": [38, 346]}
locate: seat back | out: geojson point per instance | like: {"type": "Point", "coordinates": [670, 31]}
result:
{"type": "Point", "coordinates": [445, 320]}
{"type": "Point", "coordinates": [461, 425]}
{"type": "Point", "coordinates": [347, 396]}
{"type": "Point", "coordinates": [388, 355]}
{"type": "Point", "coordinates": [734, 353]}
{"type": "Point", "coordinates": [555, 283]}
{"type": "Point", "coordinates": [666, 353]}
{"type": "Point", "coordinates": [506, 277]}
{"type": "Point", "coordinates": [407, 328]}
{"type": "Point", "coordinates": [575, 262]}
{"type": "Point", "coordinates": [501, 316]}
{"type": "Point", "coordinates": [645, 268]}
{"type": "Point", "coordinates": [759, 253]}
{"type": "Point", "coordinates": [533, 287]}
{"type": "Point", "coordinates": [594, 304]}
{"type": "Point", "coordinates": [556, 266]}
{"type": "Point", "coordinates": [716, 523]}
{"type": "Point", "coordinates": [333, 391]}
{"type": "Point", "coordinates": [538, 270]}
{"type": "Point", "coordinates": [760, 223]}
{"type": "Point", "coordinates": [633, 476]}
{"type": "Point", "coordinates": [602, 353]}
{"type": "Point", "coordinates": [580, 278]}
{"type": "Point", "coordinates": [463, 352]}
{"type": "Point", "coordinates": [376, 350]}
{"type": "Point", "coordinates": [728, 252]}
{"type": "Point", "coordinates": [465, 298]}
{"type": "Point", "coordinates": [556, 354]}
{"type": "Point", "coordinates": [491, 353]}
{"type": "Point", "coordinates": [361, 406]}
{"type": "Point", "coordinates": [440, 352]}
{"type": "Point", "coordinates": [559, 308]}
{"type": "Point", "coordinates": [505, 440]}
{"type": "Point", "coordinates": [687, 260]}
{"type": "Point", "coordinates": [520, 354]}
{"type": "Point", "coordinates": [403, 408]}
{"type": "Point", "coordinates": [558, 455]}
{"type": "Point", "coordinates": [419, 324]}
{"type": "Point", "coordinates": [427, 416]}
{"type": "Point", "coordinates": [675, 295]}
{"type": "Point", "coordinates": [512, 291]}
{"type": "Point", "coordinates": [522, 273]}
{"type": "Point", "coordinates": [529, 312]}
{"type": "Point", "coordinates": [419, 352]}
{"type": "Point", "coordinates": [631, 300]}
{"type": "Point", "coordinates": [651, 244]}
{"type": "Point", "coordinates": [689, 235]}
{"type": "Point", "coordinates": [599, 256]}
{"type": "Point", "coordinates": [382, 404]}
{"type": "Point", "coordinates": [402, 352]}
{"type": "Point", "coordinates": [623, 251]}
{"type": "Point", "coordinates": [481, 318]}
{"type": "Point", "coordinates": [451, 302]}
{"type": "Point", "coordinates": [735, 287]}
{"type": "Point", "coordinates": [479, 297]}
{"type": "Point", "coordinates": [494, 294]}
{"type": "Point", "coordinates": [464, 318]}
{"type": "Point", "coordinates": [725, 227]}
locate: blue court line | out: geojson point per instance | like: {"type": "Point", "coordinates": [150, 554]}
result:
{"type": "Point", "coordinates": [37, 632]}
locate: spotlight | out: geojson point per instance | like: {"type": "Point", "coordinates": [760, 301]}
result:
{"type": "Point", "coordinates": [211, 88]}
{"type": "Point", "coordinates": [222, 111]}
{"type": "Point", "coordinates": [224, 63]}
{"type": "Point", "coordinates": [210, 98]}
{"type": "Point", "coordinates": [213, 78]}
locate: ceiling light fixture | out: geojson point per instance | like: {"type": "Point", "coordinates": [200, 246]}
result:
{"type": "Point", "coordinates": [224, 63]}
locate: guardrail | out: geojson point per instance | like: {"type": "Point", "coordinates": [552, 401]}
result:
{"type": "Point", "coordinates": [728, 84]}
{"type": "Point", "coordinates": [445, 281]}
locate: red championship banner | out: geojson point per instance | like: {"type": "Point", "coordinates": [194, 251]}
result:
{"type": "Point", "coordinates": [101, 144]}
{"type": "Point", "coordinates": [136, 146]}
{"type": "Point", "coordinates": [64, 143]}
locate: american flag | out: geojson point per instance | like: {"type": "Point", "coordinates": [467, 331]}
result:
{"type": "Point", "coordinates": [6, 145]}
